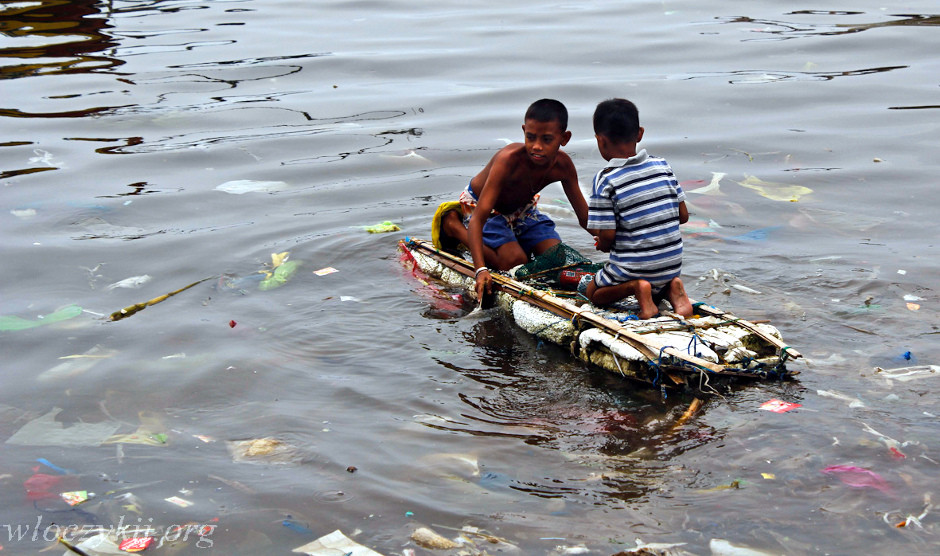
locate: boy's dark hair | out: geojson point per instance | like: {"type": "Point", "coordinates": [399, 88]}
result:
{"type": "Point", "coordinates": [547, 110]}
{"type": "Point", "coordinates": [618, 120]}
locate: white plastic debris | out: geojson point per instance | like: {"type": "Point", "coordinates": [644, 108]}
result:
{"type": "Point", "coordinates": [666, 549]}
{"type": "Point", "coordinates": [745, 289]}
{"type": "Point", "coordinates": [240, 187]}
{"type": "Point", "coordinates": [23, 213]}
{"type": "Point", "coordinates": [47, 431]}
{"type": "Point", "coordinates": [721, 547]}
{"type": "Point", "coordinates": [906, 374]}
{"type": "Point", "coordinates": [853, 402]}
{"type": "Point", "coordinates": [132, 282]}
{"type": "Point", "coordinates": [333, 544]}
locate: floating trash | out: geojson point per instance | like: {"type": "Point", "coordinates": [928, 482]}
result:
{"type": "Point", "coordinates": [334, 544]}
{"type": "Point", "coordinates": [711, 189]}
{"type": "Point", "coordinates": [735, 484]}
{"type": "Point", "coordinates": [745, 289]}
{"type": "Point", "coordinates": [10, 323]}
{"type": "Point", "coordinates": [181, 502]}
{"type": "Point", "coordinates": [44, 157]}
{"type": "Point", "coordinates": [409, 156]}
{"type": "Point", "coordinates": [23, 213]}
{"type": "Point", "coordinates": [721, 547]}
{"type": "Point", "coordinates": [382, 228]}
{"type": "Point", "coordinates": [76, 364]}
{"type": "Point", "coordinates": [858, 477]}
{"type": "Point", "coordinates": [41, 486]}
{"type": "Point", "coordinates": [325, 271]}
{"type": "Point", "coordinates": [263, 450]}
{"type": "Point", "coordinates": [853, 402]}
{"type": "Point", "coordinates": [74, 497]}
{"type": "Point", "coordinates": [427, 538]}
{"type": "Point", "coordinates": [131, 283]}
{"type": "Point", "coordinates": [779, 406]}
{"type": "Point", "coordinates": [240, 187]}
{"type": "Point", "coordinates": [775, 191]}
{"type": "Point", "coordinates": [644, 549]}
{"type": "Point", "coordinates": [133, 309]}
{"type": "Point", "coordinates": [907, 374]}
{"type": "Point", "coordinates": [282, 273]}
{"type": "Point", "coordinates": [46, 431]}
{"type": "Point", "coordinates": [135, 544]}
{"type": "Point", "coordinates": [150, 432]}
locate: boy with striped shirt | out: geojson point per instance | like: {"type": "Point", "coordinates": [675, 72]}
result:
{"type": "Point", "coordinates": [634, 212]}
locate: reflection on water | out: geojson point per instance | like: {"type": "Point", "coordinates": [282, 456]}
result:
{"type": "Point", "coordinates": [783, 30]}
{"type": "Point", "coordinates": [56, 36]}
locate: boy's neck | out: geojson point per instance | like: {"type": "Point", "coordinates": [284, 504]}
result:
{"type": "Point", "coordinates": [622, 150]}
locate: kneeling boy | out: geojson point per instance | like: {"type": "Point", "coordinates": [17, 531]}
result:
{"type": "Point", "coordinates": [635, 209]}
{"type": "Point", "coordinates": [501, 224]}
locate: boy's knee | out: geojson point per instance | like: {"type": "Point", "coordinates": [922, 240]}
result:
{"type": "Point", "coordinates": [510, 260]}
{"type": "Point", "coordinates": [450, 220]}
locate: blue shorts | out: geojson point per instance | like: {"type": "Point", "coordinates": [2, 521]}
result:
{"type": "Point", "coordinates": [529, 231]}
{"type": "Point", "coordinates": [529, 228]}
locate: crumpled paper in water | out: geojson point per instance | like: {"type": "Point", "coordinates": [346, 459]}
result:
{"type": "Point", "coordinates": [263, 450]}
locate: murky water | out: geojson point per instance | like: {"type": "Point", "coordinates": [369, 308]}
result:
{"type": "Point", "coordinates": [131, 131]}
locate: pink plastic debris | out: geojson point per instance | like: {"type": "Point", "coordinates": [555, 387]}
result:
{"type": "Point", "coordinates": [858, 477]}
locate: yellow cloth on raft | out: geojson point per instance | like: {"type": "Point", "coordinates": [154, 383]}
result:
{"type": "Point", "coordinates": [437, 234]}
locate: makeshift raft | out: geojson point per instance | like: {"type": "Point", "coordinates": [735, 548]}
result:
{"type": "Point", "coordinates": [712, 347]}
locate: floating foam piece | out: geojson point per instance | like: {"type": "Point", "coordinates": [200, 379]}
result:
{"type": "Point", "coordinates": [240, 187]}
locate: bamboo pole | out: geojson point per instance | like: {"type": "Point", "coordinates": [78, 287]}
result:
{"type": "Point", "coordinates": [747, 325]}
{"type": "Point", "coordinates": [128, 311]}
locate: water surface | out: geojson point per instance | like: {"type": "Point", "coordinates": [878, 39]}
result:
{"type": "Point", "coordinates": [122, 119]}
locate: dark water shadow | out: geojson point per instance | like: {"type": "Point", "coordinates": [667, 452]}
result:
{"type": "Point", "coordinates": [74, 38]}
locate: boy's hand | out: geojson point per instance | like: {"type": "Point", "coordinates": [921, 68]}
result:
{"type": "Point", "coordinates": [596, 239]}
{"type": "Point", "coordinates": [484, 284]}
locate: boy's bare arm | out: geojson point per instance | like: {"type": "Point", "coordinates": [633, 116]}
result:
{"type": "Point", "coordinates": [573, 191]}
{"type": "Point", "coordinates": [683, 213]}
{"type": "Point", "coordinates": [498, 173]}
{"type": "Point", "coordinates": [605, 240]}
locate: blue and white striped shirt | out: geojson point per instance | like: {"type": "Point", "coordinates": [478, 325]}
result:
{"type": "Point", "coordinates": [639, 197]}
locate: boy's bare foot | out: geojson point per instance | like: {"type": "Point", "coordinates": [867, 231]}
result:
{"type": "Point", "coordinates": [679, 299]}
{"type": "Point", "coordinates": [644, 296]}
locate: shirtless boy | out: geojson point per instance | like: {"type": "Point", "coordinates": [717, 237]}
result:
{"type": "Point", "coordinates": [636, 206]}
{"type": "Point", "coordinates": [505, 226]}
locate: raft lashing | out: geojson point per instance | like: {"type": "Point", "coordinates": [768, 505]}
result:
{"type": "Point", "coordinates": [712, 347]}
